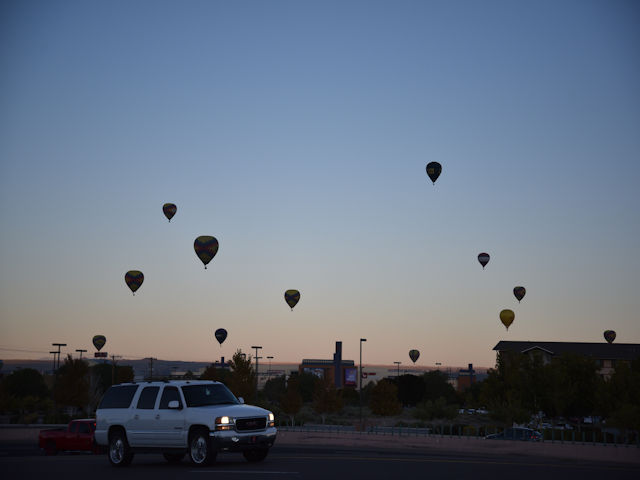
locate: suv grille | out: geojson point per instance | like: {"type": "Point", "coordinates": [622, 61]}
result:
{"type": "Point", "coordinates": [258, 423]}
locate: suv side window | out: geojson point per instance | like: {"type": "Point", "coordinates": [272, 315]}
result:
{"type": "Point", "coordinates": [118, 396]}
{"type": "Point", "coordinates": [148, 397]}
{"type": "Point", "coordinates": [73, 428]}
{"type": "Point", "coordinates": [169, 394]}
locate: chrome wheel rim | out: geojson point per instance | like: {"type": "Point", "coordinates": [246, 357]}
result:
{"type": "Point", "coordinates": [116, 451]}
{"type": "Point", "coordinates": [199, 449]}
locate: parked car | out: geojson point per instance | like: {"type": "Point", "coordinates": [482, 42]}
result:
{"type": "Point", "coordinates": [198, 417]}
{"type": "Point", "coordinates": [78, 436]}
{"type": "Point", "coordinates": [517, 433]}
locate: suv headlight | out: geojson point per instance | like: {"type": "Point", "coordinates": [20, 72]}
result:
{"type": "Point", "coordinates": [224, 423]}
{"type": "Point", "coordinates": [271, 420]}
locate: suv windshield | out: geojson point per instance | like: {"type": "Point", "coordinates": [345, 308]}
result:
{"type": "Point", "coordinates": [214, 394]}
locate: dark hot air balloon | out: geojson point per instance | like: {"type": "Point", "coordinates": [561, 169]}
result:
{"type": "Point", "coordinates": [519, 292]}
{"type": "Point", "coordinates": [169, 210]}
{"type": "Point", "coordinates": [292, 297]}
{"type": "Point", "coordinates": [133, 279]}
{"type": "Point", "coordinates": [483, 258]}
{"type": "Point", "coordinates": [433, 170]}
{"type": "Point", "coordinates": [206, 248]}
{"type": "Point", "coordinates": [506, 317]}
{"type": "Point", "coordinates": [609, 336]}
{"type": "Point", "coordinates": [413, 355]}
{"type": "Point", "coordinates": [221, 335]}
{"type": "Point", "coordinates": [99, 341]}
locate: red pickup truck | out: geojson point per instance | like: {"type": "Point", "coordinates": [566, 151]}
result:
{"type": "Point", "coordinates": [78, 436]}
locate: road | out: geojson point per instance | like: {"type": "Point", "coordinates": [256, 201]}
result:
{"type": "Point", "coordinates": [304, 462]}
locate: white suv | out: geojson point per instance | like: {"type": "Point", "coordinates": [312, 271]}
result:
{"type": "Point", "coordinates": [198, 417]}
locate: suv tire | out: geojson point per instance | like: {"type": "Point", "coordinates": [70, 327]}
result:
{"type": "Point", "coordinates": [256, 455]}
{"type": "Point", "coordinates": [201, 451]}
{"type": "Point", "coordinates": [120, 454]}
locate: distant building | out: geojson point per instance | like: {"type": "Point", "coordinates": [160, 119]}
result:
{"type": "Point", "coordinates": [343, 373]}
{"type": "Point", "coordinates": [606, 355]}
{"type": "Point", "coordinates": [466, 378]}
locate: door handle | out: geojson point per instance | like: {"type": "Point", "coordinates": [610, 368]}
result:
{"type": "Point", "coordinates": [157, 417]}
{"type": "Point", "coordinates": [136, 417]}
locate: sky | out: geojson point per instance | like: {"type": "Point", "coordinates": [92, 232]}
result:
{"type": "Point", "coordinates": [297, 133]}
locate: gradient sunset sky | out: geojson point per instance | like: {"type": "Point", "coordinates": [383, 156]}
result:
{"type": "Point", "coordinates": [297, 133]}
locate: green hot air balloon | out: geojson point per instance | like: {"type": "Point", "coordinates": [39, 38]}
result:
{"type": "Point", "coordinates": [414, 355]}
{"type": "Point", "coordinates": [433, 170]}
{"type": "Point", "coordinates": [609, 336]}
{"type": "Point", "coordinates": [292, 297]}
{"type": "Point", "coordinates": [169, 210]}
{"type": "Point", "coordinates": [519, 292]}
{"type": "Point", "coordinates": [506, 317]}
{"type": "Point", "coordinates": [206, 248]}
{"type": "Point", "coordinates": [99, 341]}
{"type": "Point", "coordinates": [133, 279]}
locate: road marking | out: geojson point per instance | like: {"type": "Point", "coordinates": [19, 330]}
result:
{"type": "Point", "coordinates": [244, 472]}
{"type": "Point", "coordinates": [444, 460]}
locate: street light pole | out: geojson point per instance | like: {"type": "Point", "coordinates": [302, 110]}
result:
{"type": "Point", "coordinates": [257, 348]}
{"type": "Point", "coordinates": [361, 340]}
{"type": "Point", "coordinates": [398, 364]}
{"type": "Point", "coordinates": [270, 357]}
{"type": "Point", "coordinates": [80, 350]}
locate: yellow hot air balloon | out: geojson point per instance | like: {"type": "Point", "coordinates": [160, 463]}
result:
{"type": "Point", "coordinates": [506, 317]}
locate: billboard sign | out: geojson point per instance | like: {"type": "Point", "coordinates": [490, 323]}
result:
{"type": "Point", "coordinates": [350, 376]}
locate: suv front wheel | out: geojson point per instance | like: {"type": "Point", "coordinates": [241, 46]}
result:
{"type": "Point", "coordinates": [120, 454]}
{"type": "Point", "coordinates": [200, 448]}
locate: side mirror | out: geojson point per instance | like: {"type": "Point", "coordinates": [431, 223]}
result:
{"type": "Point", "coordinates": [241, 400]}
{"type": "Point", "coordinates": [174, 405]}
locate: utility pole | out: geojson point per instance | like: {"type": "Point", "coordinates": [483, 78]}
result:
{"type": "Point", "coordinates": [361, 340]}
{"type": "Point", "coordinates": [151, 359]}
{"type": "Point", "coordinates": [58, 352]}
{"type": "Point", "coordinates": [257, 348]}
{"type": "Point", "coordinates": [54, 360]}
{"type": "Point", "coordinates": [398, 364]}
{"type": "Point", "coordinates": [113, 368]}
{"type": "Point", "coordinates": [80, 350]}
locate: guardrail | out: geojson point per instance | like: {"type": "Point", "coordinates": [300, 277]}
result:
{"type": "Point", "coordinates": [601, 438]}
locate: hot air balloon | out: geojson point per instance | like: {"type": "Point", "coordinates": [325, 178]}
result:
{"type": "Point", "coordinates": [133, 279]}
{"type": "Point", "coordinates": [413, 355]}
{"type": "Point", "coordinates": [292, 297]}
{"type": "Point", "coordinates": [221, 335]}
{"type": "Point", "coordinates": [609, 336]}
{"type": "Point", "coordinates": [433, 170]}
{"type": "Point", "coordinates": [519, 292]}
{"type": "Point", "coordinates": [206, 248]}
{"type": "Point", "coordinates": [169, 210]}
{"type": "Point", "coordinates": [483, 258]}
{"type": "Point", "coordinates": [99, 341]}
{"type": "Point", "coordinates": [506, 317]}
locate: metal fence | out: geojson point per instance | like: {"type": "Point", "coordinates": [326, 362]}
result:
{"type": "Point", "coordinates": [589, 437]}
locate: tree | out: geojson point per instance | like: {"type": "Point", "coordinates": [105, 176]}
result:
{"type": "Point", "coordinates": [216, 374]}
{"type": "Point", "coordinates": [124, 374]}
{"type": "Point", "coordinates": [308, 382]}
{"type": "Point", "coordinates": [291, 401]}
{"type": "Point", "coordinates": [384, 399]}
{"type": "Point", "coordinates": [411, 389]}
{"type": "Point", "coordinates": [243, 379]}
{"type": "Point", "coordinates": [436, 386]}
{"type": "Point", "coordinates": [23, 383]}
{"type": "Point", "coordinates": [275, 388]}
{"type": "Point", "coordinates": [326, 399]}
{"type": "Point", "coordinates": [72, 383]}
